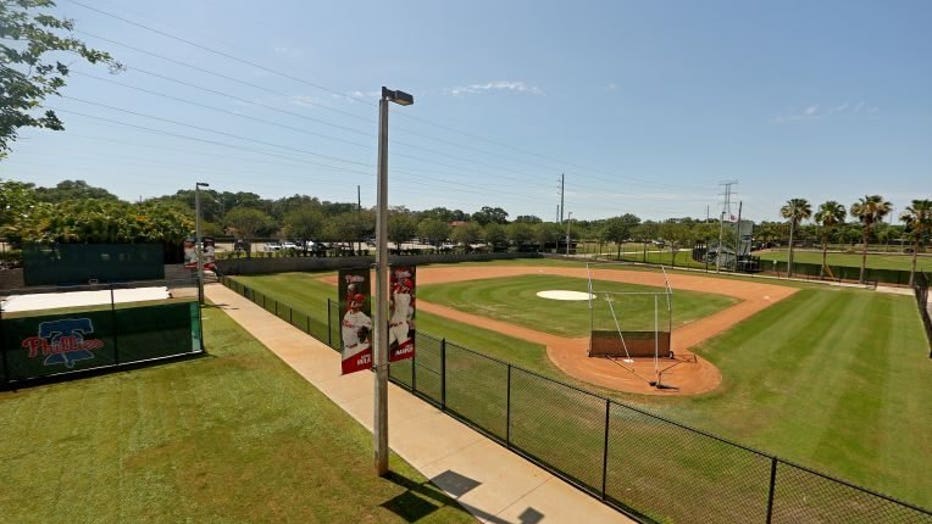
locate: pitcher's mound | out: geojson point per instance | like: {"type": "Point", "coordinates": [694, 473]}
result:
{"type": "Point", "coordinates": [560, 294]}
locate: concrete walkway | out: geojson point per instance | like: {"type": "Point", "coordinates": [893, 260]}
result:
{"type": "Point", "coordinates": [491, 482]}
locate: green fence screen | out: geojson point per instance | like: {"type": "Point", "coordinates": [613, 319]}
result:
{"type": "Point", "coordinates": [67, 264]}
{"type": "Point", "coordinates": [44, 345]}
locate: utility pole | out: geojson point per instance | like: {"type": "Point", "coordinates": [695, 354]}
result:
{"type": "Point", "coordinates": [562, 194]}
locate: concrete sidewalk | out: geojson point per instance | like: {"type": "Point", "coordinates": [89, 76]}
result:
{"type": "Point", "coordinates": [491, 482]}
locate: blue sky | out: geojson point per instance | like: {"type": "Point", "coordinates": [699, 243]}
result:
{"type": "Point", "coordinates": [646, 106]}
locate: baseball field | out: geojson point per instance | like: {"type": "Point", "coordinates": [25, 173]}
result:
{"type": "Point", "coordinates": [832, 378]}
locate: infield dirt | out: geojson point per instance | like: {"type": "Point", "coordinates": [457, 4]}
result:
{"type": "Point", "coordinates": [688, 373]}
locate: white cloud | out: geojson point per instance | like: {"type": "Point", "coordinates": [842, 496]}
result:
{"type": "Point", "coordinates": [815, 112]}
{"type": "Point", "coordinates": [303, 100]}
{"type": "Point", "coordinates": [497, 85]}
{"type": "Point", "coordinates": [612, 87]}
{"type": "Point", "coordinates": [286, 51]}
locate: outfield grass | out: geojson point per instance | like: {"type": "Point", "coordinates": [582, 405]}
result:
{"type": "Point", "coordinates": [235, 436]}
{"type": "Point", "coordinates": [515, 300]}
{"type": "Point", "coordinates": [874, 260]}
{"type": "Point", "coordinates": [835, 379]}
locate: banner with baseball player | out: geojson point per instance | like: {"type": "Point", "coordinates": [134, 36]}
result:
{"type": "Point", "coordinates": [401, 313]}
{"type": "Point", "coordinates": [355, 320]}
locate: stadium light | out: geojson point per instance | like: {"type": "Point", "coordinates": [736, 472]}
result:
{"type": "Point", "coordinates": [197, 239]}
{"type": "Point", "coordinates": [380, 349]}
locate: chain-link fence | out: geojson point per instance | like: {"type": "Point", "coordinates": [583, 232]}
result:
{"type": "Point", "coordinates": [652, 468]}
{"type": "Point", "coordinates": [54, 331]}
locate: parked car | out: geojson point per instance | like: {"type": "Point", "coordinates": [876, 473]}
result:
{"type": "Point", "coordinates": [288, 245]}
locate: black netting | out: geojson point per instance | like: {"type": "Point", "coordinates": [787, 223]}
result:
{"type": "Point", "coordinates": [803, 496]}
{"type": "Point", "coordinates": [427, 366]}
{"type": "Point", "coordinates": [400, 373]}
{"type": "Point", "coordinates": [672, 473]}
{"type": "Point", "coordinates": [476, 388]}
{"type": "Point", "coordinates": [558, 425]}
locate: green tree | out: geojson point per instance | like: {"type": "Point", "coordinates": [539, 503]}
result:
{"type": "Point", "coordinates": [869, 210]}
{"type": "Point", "coordinates": [528, 219]}
{"type": "Point", "coordinates": [247, 222]}
{"type": "Point", "coordinates": [434, 231]}
{"type": "Point", "coordinates": [795, 210]}
{"type": "Point", "coordinates": [304, 223]}
{"type": "Point", "coordinates": [520, 234]}
{"type": "Point", "coordinates": [402, 227]}
{"type": "Point", "coordinates": [490, 214]}
{"type": "Point", "coordinates": [467, 234]}
{"type": "Point", "coordinates": [495, 236]}
{"type": "Point", "coordinates": [618, 229]}
{"type": "Point", "coordinates": [918, 219]}
{"type": "Point", "coordinates": [829, 216]}
{"type": "Point", "coordinates": [28, 35]}
{"type": "Point", "coordinates": [677, 236]}
{"type": "Point", "coordinates": [72, 190]}
{"type": "Point", "coordinates": [547, 233]}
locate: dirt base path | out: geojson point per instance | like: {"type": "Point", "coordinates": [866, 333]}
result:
{"type": "Point", "coordinates": [689, 373]}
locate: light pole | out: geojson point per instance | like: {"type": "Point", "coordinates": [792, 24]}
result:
{"type": "Point", "coordinates": [197, 239]}
{"type": "Point", "coordinates": [380, 350]}
{"type": "Point", "coordinates": [569, 219]}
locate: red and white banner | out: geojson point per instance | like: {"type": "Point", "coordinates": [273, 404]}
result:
{"type": "Point", "coordinates": [355, 320]}
{"type": "Point", "coordinates": [401, 315]}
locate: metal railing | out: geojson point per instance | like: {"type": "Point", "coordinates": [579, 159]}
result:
{"type": "Point", "coordinates": [648, 466]}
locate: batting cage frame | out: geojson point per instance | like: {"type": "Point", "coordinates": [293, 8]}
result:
{"type": "Point", "coordinates": [629, 348]}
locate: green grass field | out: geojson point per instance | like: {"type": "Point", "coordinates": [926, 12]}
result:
{"type": "Point", "coordinates": [833, 379]}
{"type": "Point", "coordinates": [874, 260]}
{"type": "Point", "coordinates": [236, 436]}
{"type": "Point", "coordinates": [515, 300]}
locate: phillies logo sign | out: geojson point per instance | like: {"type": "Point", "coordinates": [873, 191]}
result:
{"type": "Point", "coordinates": [63, 341]}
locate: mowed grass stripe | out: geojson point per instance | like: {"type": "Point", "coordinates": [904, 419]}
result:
{"type": "Point", "coordinates": [833, 379]}
{"type": "Point", "coordinates": [234, 436]}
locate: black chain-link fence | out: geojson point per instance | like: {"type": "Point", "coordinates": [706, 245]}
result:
{"type": "Point", "coordinates": [652, 468]}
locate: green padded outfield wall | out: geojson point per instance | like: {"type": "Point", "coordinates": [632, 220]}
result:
{"type": "Point", "coordinates": [68, 264]}
{"type": "Point", "coordinates": [50, 344]}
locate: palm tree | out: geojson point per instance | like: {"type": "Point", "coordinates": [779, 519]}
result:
{"type": "Point", "coordinates": [829, 215]}
{"type": "Point", "coordinates": [918, 219]}
{"type": "Point", "coordinates": [796, 210]}
{"type": "Point", "coordinates": [869, 210]}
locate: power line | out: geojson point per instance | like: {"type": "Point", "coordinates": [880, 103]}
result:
{"type": "Point", "coordinates": [261, 67]}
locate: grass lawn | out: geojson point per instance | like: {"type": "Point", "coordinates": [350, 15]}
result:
{"type": "Point", "coordinates": [874, 260]}
{"type": "Point", "coordinates": [235, 436]}
{"type": "Point", "coordinates": [515, 300]}
{"type": "Point", "coordinates": [835, 379]}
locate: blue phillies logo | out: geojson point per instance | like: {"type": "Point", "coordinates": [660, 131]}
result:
{"type": "Point", "coordinates": [63, 341]}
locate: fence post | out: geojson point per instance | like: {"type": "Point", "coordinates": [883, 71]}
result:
{"type": "Point", "coordinates": [508, 410]}
{"type": "Point", "coordinates": [6, 369]}
{"type": "Point", "coordinates": [414, 370]}
{"type": "Point", "coordinates": [329, 327]}
{"type": "Point", "coordinates": [608, 409]}
{"type": "Point", "coordinates": [773, 483]}
{"type": "Point", "coordinates": [443, 373]}
{"type": "Point", "coordinates": [113, 317]}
